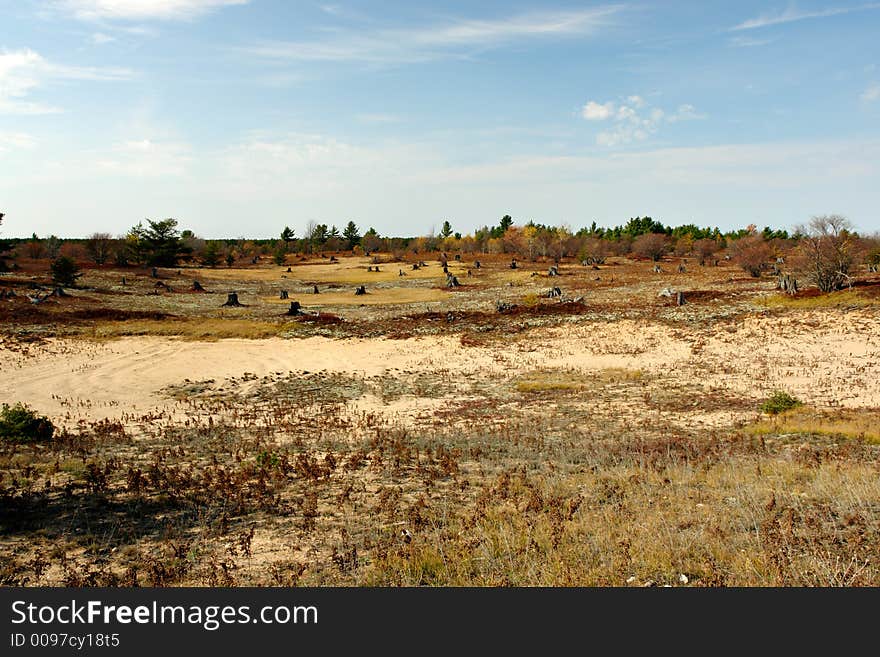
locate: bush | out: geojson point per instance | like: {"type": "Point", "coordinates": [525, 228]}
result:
{"type": "Point", "coordinates": [65, 271]}
{"type": "Point", "coordinates": [19, 424]}
{"type": "Point", "coordinates": [779, 402]}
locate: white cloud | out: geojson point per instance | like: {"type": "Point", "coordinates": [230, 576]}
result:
{"type": "Point", "coordinates": [792, 14]}
{"type": "Point", "coordinates": [593, 111]}
{"type": "Point", "coordinates": [99, 38]}
{"type": "Point", "coordinates": [872, 93]}
{"type": "Point", "coordinates": [413, 44]}
{"type": "Point", "coordinates": [142, 9]}
{"type": "Point", "coordinates": [378, 118]}
{"type": "Point", "coordinates": [22, 71]}
{"type": "Point", "coordinates": [748, 42]}
{"type": "Point", "coordinates": [634, 122]}
{"type": "Point", "coordinates": [15, 141]}
{"type": "Point", "coordinates": [145, 158]}
{"type": "Point", "coordinates": [636, 101]}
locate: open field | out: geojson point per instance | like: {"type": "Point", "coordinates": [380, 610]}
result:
{"type": "Point", "coordinates": [418, 435]}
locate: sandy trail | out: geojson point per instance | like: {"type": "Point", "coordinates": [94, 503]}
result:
{"type": "Point", "coordinates": [827, 360]}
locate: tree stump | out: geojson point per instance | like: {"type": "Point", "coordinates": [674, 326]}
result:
{"type": "Point", "coordinates": [679, 299]}
{"type": "Point", "coordinates": [289, 270]}
{"type": "Point", "coordinates": [315, 289]}
{"type": "Point", "coordinates": [554, 292]}
{"type": "Point", "coordinates": [197, 287]}
{"type": "Point", "coordinates": [295, 308]}
{"type": "Point", "coordinates": [154, 273]}
{"type": "Point", "coordinates": [361, 290]}
{"type": "Point", "coordinates": [553, 271]}
{"type": "Point", "coordinates": [513, 264]}
{"type": "Point", "coordinates": [682, 269]}
{"type": "Point", "coordinates": [503, 306]}
{"type": "Point", "coordinates": [657, 269]}
{"type": "Point", "coordinates": [445, 269]}
{"type": "Point", "coordinates": [283, 294]}
{"type": "Point", "coordinates": [787, 283]}
{"type": "Point", "coordinates": [458, 257]}
{"type": "Point", "coordinates": [452, 281]}
{"type": "Point", "coordinates": [400, 272]}
{"type": "Point", "coordinates": [415, 266]}
{"type": "Point", "coordinates": [232, 300]}
{"type": "Point", "coordinates": [469, 274]}
{"type": "Point", "coordinates": [476, 264]}
{"type": "Point", "coordinates": [123, 281]}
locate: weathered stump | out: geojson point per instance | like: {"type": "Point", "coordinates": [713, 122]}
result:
{"type": "Point", "coordinates": [400, 272]}
{"type": "Point", "coordinates": [315, 289]}
{"type": "Point", "coordinates": [197, 287]}
{"type": "Point", "coordinates": [154, 273]}
{"type": "Point", "coordinates": [295, 308]}
{"type": "Point", "coordinates": [513, 264]}
{"type": "Point", "coordinates": [458, 257]}
{"type": "Point", "coordinates": [679, 299]}
{"type": "Point", "coordinates": [681, 268]}
{"type": "Point", "coordinates": [553, 271]}
{"type": "Point", "coordinates": [657, 269]}
{"type": "Point", "coordinates": [361, 290]}
{"type": "Point", "coordinates": [284, 294]}
{"type": "Point", "coordinates": [477, 264]}
{"type": "Point", "coordinates": [787, 283]}
{"type": "Point", "coordinates": [452, 281]}
{"type": "Point", "coordinates": [554, 292]}
{"type": "Point", "coordinates": [232, 300]}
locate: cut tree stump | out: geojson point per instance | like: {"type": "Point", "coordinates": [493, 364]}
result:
{"type": "Point", "coordinates": [197, 287]}
{"type": "Point", "coordinates": [679, 299]}
{"type": "Point", "coordinates": [787, 283]}
{"type": "Point", "coordinates": [295, 308]}
{"type": "Point", "coordinates": [452, 281]}
{"type": "Point", "coordinates": [154, 273]}
{"type": "Point", "coordinates": [315, 289]}
{"type": "Point", "coordinates": [476, 264]}
{"type": "Point", "coordinates": [232, 300]}
{"type": "Point", "coordinates": [283, 294]}
{"type": "Point", "coordinates": [553, 271]}
{"type": "Point", "coordinates": [361, 290]}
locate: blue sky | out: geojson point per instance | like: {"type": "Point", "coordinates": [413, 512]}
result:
{"type": "Point", "coordinates": [238, 117]}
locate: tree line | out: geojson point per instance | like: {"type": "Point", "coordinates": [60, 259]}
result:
{"type": "Point", "coordinates": [828, 239]}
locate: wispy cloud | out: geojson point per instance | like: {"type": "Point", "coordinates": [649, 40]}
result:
{"type": "Point", "coordinates": [402, 45]}
{"type": "Point", "coordinates": [99, 38]}
{"type": "Point", "coordinates": [142, 9]}
{"type": "Point", "coordinates": [633, 120]}
{"type": "Point", "coordinates": [22, 71]}
{"type": "Point", "coordinates": [792, 14]}
{"type": "Point", "coordinates": [748, 42]}
{"type": "Point", "coordinates": [378, 118]}
{"type": "Point", "coordinates": [872, 93]}
{"type": "Point", "coordinates": [15, 141]}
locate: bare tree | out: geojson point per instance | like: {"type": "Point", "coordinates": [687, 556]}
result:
{"type": "Point", "coordinates": [99, 247]}
{"type": "Point", "coordinates": [651, 245]}
{"type": "Point", "coordinates": [826, 252]}
{"type": "Point", "coordinates": [752, 253]}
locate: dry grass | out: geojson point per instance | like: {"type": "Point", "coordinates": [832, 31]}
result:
{"type": "Point", "coordinates": [501, 472]}
{"type": "Point", "coordinates": [844, 299]}
{"type": "Point", "coordinates": [548, 380]}
{"type": "Point", "coordinates": [860, 424]}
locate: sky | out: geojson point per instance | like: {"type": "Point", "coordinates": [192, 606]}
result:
{"type": "Point", "coordinates": [238, 117]}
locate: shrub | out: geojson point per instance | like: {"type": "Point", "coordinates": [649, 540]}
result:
{"type": "Point", "coordinates": [19, 424]}
{"type": "Point", "coordinates": [65, 271]}
{"type": "Point", "coordinates": [779, 402]}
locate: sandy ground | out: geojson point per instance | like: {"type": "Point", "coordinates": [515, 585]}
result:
{"type": "Point", "coordinates": [826, 359]}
